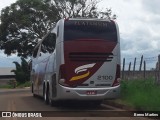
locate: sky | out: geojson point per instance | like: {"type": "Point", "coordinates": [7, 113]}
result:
{"type": "Point", "coordinates": [139, 26]}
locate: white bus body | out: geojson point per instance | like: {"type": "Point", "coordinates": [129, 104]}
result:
{"type": "Point", "coordinates": [79, 59]}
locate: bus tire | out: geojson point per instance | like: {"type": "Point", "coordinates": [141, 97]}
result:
{"type": "Point", "coordinates": [34, 95]}
{"type": "Point", "coordinates": [50, 100]}
{"type": "Point", "coordinates": [46, 95]}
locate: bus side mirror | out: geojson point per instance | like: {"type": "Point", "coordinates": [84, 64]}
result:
{"type": "Point", "coordinates": [53, 36]}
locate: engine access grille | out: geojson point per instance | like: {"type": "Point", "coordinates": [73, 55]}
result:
{"type": "Point", "coordinates": [91, 56]}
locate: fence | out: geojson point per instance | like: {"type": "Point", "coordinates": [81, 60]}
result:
{"type": "Point", "coordinates": [141, 72]}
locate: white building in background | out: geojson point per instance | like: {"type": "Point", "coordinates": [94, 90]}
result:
{"type": "Point", "coordinates": [6, 75]}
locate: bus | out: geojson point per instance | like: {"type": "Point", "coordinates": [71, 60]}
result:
{"type": "Point", "coordinates": [78, 59]}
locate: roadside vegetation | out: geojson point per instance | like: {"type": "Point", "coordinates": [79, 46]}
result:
{"type": "Point", "coordinates": [22, 85]}
{"type": "Point", "coordinates": [6, 86]}
{"type": "Point", "coordinates": [22, 72]}
{"type": "Point", "coordinates": [141, 94]}
{"type": "Point", "coordinates": [11, 85]}
{"type": "Point", "coordinates": [22, 76]}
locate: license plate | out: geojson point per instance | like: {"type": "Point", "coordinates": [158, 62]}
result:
{"type": "Point", "coordinates": [91, 92]}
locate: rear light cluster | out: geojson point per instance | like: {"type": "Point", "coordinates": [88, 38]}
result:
{"type": "Point", "coordinates": [62, 82]}
{"type": "Point", "coordinates": [62, 79]}
{"type": "Point", "coordinates": [118, 79]}
{"type": "Point", "coordinates": [116, 82]}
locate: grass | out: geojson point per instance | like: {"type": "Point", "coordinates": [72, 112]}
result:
{"type": "Point", "coordinates": [19, 85]}
{"type": "Point", "coordinates": [22, 85]}
{"type": "Point", "coordinates": [141, 94]}
{"type": "Point", "coordinates": [6, 86]}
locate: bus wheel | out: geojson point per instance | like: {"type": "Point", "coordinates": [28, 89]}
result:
{"type": "Point", "coordinates": [50, 101]}
{"type": "Point", "coordinates": [46, 96]}
{"type": "Point", "coordinates": [33, 91]}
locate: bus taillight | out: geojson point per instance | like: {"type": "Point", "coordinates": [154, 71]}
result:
{"type": "Point", "coordinates": [117, 79]}
{"type": "Point", "coordinates": [62, 79]}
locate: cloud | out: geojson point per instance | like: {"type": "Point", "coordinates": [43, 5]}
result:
{"type": "Point", "coordinates": [152, 6]}
{"type": "Point", "coordinates": [139, 23]}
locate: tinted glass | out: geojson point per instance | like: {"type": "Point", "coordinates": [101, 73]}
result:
{"type": "Point", "coordinates": [35, 52]}
{"type": "Point", "coordinates": [83, 29]}
{"type": "Point", "coordinates": [48, 43]}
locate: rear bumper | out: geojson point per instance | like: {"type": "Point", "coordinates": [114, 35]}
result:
{"type": "Point", "coordinates": [66, 93]}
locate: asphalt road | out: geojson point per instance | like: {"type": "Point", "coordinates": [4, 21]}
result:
{"type": "Point", "coordinates": [21, 100]}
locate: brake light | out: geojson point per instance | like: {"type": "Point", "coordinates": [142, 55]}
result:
{"type": "Point", "coordinates": [62, 79]}
{"type": "Point", "coordinates": [118, 79]}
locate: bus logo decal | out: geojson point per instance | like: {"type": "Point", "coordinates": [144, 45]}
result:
{"type": "Point", "coordinates": [82, 69]}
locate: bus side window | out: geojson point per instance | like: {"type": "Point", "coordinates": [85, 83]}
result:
{"type": "Point", "coordinates": [52, 41]}
{"type": "Point", "coordinates": [48, 44]}
{"type": "Point", "coordinates": [35, 52]}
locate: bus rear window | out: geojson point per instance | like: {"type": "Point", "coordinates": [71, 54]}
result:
{"type": "Point", "coordinates": [88, 30]}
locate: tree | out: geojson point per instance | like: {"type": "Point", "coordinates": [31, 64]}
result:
{"type": "Point", "coordinates": [22, 73]}
{"type": "Point", "coordinates": [22, 23]}
{"type": "Point", "coordinates": [25, 22]}
{"type": "Point", "coordinates": [80, 8]}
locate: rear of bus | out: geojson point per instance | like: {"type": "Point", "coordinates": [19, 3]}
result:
{"type": "Point", "coordinates": [91, 68]}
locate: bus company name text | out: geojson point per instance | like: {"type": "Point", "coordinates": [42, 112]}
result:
{"type": "Point", "coordinates": [89, 23]}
